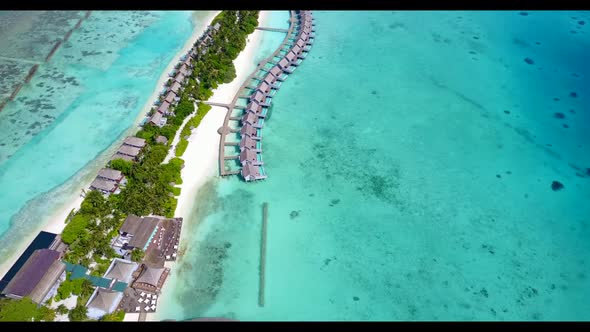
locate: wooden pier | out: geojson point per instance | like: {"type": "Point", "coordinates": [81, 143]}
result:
{"type": "Point", "coordinates": [263, 255]}
{"type": "Point", "coordinates": [272, 29]}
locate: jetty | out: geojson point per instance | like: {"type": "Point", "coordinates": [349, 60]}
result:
{"type": "Point", "coordinates": [292, 50]}
{"type": "Point", "coordinates": [262, 255]}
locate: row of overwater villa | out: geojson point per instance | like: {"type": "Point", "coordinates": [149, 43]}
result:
{"type": "Point", "coordinates": [266, 80]}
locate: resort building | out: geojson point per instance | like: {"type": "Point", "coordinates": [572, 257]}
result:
{"type": "Point", "coordinates": [276, 72]}
{"type": "Point", "coordinates": [157, 119]}
{"type": "Point", "coordinates": [249, 156]}
{"type": "Point", "coordinates": [164, 109]}
{"type": "Point", "coordinates": [184, 70]}
{"type": "Point", "coordinates": [260, 98]}
{"type": "Point", "coordinates": [248, 143]}
{"type": "Point", "coordinates": [256, 109]}
{"type": "Point", "coordinates": [102, 302]}
{"type": "Point", "coordinates": [291, 57]}
{"type": "Point", "coordinates": [113, 175]}
{"type": "Point", "coordinates": [264, 87]}
{"type": "Point", "coordinates": [134, 142]}
{"type": "Point", "coordinates": [180, 78]}
{"type": "Point", "coordinates": [175, 87]}
{"type": "Point", "coordinates": [270, 80]}
{"type": "Point", "coordinates": [250, 118]}
{"type": "Point", "coordinates": [284, 64]}
{"type": "Point", "coordinates": [170, 99]}
{"type": "Point", "coordinates": [252, 173]}
{"type": "Point", "coordinates": [248, 130]}
{"type": "Point", "coordinates": [106, 187]}
{"type": "Point", "coordinates": [151, 279]}
{"type": "Point", "coordinates": [161, 140]}
{"type": "Point", "coordinates": [128, 150]}
{"type": "Point", "coordinates": [136, 232]}
{"type": "Point", "coordinates": [121, 270]}
{"type": "Point", "coordinates": [38, 278]}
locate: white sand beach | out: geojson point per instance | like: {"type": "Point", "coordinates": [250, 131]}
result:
{"type": "Point", "coordinates": [201, 156]}
{"type": "Point", "coordinates": [55, 220]}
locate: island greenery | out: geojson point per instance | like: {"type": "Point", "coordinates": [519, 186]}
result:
{"type": "Point", "coordinates": [151, 183]}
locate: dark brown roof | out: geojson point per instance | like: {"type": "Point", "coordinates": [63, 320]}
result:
{"type": "Point", "coordinates": [110, 174]}
{"type": "Point", "coordinates": [151, 276]}
{"type": "Point", "coordinates": [129, 150]}
{"type": "Point", "coordinates": [169, 98]}
{"type": "Point", "coordinates": [248, 143]}
{"type": "Point", "coordinates": [248, 130]}
{"type": "Point", "coordinates": [143, 231]}
{"type": "Point", "coordinates": [248, 155]}
{"type": "Point", "coordinates": [166, 105]}
{"type": "Point", "coordinates": [175, 87]}
{"type": "Point", "coordinates": [103, 185]}
{"type": "Point", "coordinates": [179, 78]}
{"type": "Point", "coordinates": [49, 279]}
{"type": "Point", "coordinates": [156, 118]}
{"type": "Point", "coordinates": [276, 71]}
{"type": "Point", "coordinates": [161, 139]}
{"type": "Point", "coordinates": [131, 224]}
{"type": "Point", "coordinates": [122, 156]}
{"type": "Point", "coordinates": [250, 171]}
{"type": "Point", "coordinates": [134, 141]}
{"type": "Point", "coordinates": [34, 269]}
{"type": "Point", "coordinates": [253, 107]}
{"type": "Point", "coordinates": [250, 118]}
{"type": "Point", "coordinates": [258, 96]}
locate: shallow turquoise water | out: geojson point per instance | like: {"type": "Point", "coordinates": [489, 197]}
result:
{"type": "Point", "coordinates": [410, 161]}
{"type": "Point", "coordinates": [89, 95]}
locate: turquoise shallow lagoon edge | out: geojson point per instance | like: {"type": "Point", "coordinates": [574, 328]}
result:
{"type": "Point", "coordinates": [410, 161]}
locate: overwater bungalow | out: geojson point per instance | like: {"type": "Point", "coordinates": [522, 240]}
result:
{"type": "Point", "coordinates": [292, 58]}
{"type": "Point", "coordinates": [249, 156]}
{"type": "Point", "coordinates": [133, 141]}
{"type": "Point", "coordinates": [247, 143]}
{"type": "Point", "coordinates": [260, 98]}
{"type": "Point", "coordinates": [270, 79]}
{"type": "Point", "coordinates": [250, 131]}
{"type": "Point", "coordinates": [250, 119]}
{"type": "Point", "coordinates": [298, 51]}
{"type": "Point", "coordinates": [38, 278]}
{"type": "Point", "coordinates": [157, 119]}
{"type": "Point", "coordinates": [264, 88]}
{"type": "Point", "coordinates": [256, 109]}
{"type": "Point", "coordinates": [113, 175]}
{"type": "Point", "coordinates": [277, 72]}
{"type": "Point", "coordinates": [175, 88]}
{"type": "Point", "coordinates": [251, 173]}
{"type": "Point", "coordinates": [284, 65]}
{"type": "Point", "coordinates": [106, 187]}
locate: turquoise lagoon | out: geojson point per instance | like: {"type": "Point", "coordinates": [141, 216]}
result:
{"type": "Point", "coordinates": [62, 126]}
{"type": "Point", "coordinates": [410, 160]}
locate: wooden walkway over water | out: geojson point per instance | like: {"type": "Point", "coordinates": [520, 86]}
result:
{"type": "Point", "coordinates": [226, 129]}
{"type": "Point", "coordinates": [272, 29]}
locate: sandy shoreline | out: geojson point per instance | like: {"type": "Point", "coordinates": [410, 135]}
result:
{"type": "Point", "coordinates": [201, 156]}
{"type": "Point", "coordinates": [55, 222]}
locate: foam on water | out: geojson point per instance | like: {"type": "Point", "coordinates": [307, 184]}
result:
{"type": "Point", "coordinates": [410, 161]}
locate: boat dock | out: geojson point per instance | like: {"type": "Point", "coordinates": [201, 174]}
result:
{"type": "Point", "coordinates": [284, 60]}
